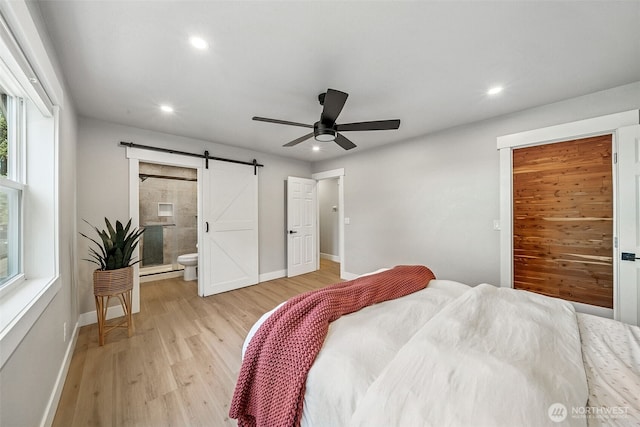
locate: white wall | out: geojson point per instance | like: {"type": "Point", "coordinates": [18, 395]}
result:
{"type": "Point", "coordinates": [328, 218]}
{"type": "Point", "coordinates": [433, 200]}
{"type": "Point", "coordinates": [103, 188]}
{"type": "Point", "coordinates": [33, 375]}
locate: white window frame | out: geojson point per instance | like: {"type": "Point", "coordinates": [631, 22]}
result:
{"type": "Point", "coordinates": [15, 173]}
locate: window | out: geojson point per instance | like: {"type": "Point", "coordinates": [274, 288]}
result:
{"type": "Point", "coordinates": [11, 186]}
{"type": "Point", "coordinates": [29, 183]}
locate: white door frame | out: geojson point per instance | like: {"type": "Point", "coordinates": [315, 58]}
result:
{"type": "Point", "coordinates": [629, 171]}
{"type": "Point", "coordinates": [580, 129]}
{"type": "Point", "coordinates": [335, 173]}
{"type": "Point", "coordinates": [135, 156]}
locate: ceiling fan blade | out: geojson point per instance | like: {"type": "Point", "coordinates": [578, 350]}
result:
{"type": "Point", "coordinates": [375, 125]}
{"type": "Point", "coordinates": [298, 140]}
{"type": "Point", "coordinates": [344, 142]}
{"type": "Point", "coordinates": [282, 122]}
{"type": "Point", "coordinates": [333, 102]}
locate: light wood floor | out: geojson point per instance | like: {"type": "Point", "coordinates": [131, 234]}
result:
{"type": "Point", "coordinates": [180, 366]}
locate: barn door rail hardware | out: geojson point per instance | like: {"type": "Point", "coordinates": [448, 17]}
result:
{"type": "Point", "coordinates": [204, 156]}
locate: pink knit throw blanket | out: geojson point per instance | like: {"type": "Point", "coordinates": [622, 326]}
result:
{"type": "Point", "coordinates": [271, 383]}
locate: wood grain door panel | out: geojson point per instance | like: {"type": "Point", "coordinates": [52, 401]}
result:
{"type": "Point", "coordinates": [563, 220]}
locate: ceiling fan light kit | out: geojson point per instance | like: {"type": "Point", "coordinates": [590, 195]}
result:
{"type": "Point", "coordinates": [326, 129]}
{"type": "Point", "coordinates": [323, 133]}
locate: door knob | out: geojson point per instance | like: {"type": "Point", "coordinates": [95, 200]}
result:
{"type": "Point", "coordinates": [292, 232]}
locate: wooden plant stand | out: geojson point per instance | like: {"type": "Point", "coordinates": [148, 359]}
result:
{"type": "Point", "coordinates": [108, 284]}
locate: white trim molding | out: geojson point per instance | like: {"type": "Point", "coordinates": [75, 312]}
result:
{"type": "Point", "coordinates": [30, 55]}
{"type": "Point", "coordinates": [330, 257]}
{"type": "Point", "coordinates": [91, 317]}
{"type": "Point", "coordinates": [54, 399]}
{"type": "Point", "coordinates": [272, 275]}
{"type": "Point", "coordinates": [574, 130]}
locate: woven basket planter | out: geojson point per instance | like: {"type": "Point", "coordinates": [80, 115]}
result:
{"type": "Point", "coordinates": [112, 282]}
{"type": "Point", "coordinates": [118, 284]}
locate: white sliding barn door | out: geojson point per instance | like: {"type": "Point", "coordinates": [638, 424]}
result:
{"type": "Point", "coordinates": [302, 229]}
{"type": "Point", "coordinates": [628, 298]}
{"type": "Point", "coordinates": [230, 217]}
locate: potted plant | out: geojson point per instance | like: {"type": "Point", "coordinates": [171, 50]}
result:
{"type": "Point", "coordinates": [114, 277]}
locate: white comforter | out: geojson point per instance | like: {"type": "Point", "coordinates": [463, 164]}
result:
{"type": "Point", "coordinates": [353, 357]}
{"type": "Point", "coordinates": [493, 357]}
{"type": "Point", "coordinates": [449, 355]}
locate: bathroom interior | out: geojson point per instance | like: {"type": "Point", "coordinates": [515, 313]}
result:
{"type": "Point", "coordinates": [168, 203]}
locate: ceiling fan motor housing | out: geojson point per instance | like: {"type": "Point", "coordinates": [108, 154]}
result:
{"type": "Point", "coordinates": [324, 132]}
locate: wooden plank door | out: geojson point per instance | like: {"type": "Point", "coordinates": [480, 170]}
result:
{"type": "Point", "coordinates": [563, 220]}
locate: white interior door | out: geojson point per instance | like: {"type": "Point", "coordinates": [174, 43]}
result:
{"type": "Point", "coordinates": [627, 300]}
{"type": "Point", "coordinates": [230, 217]}
{"type": "Point", "coordinates": [302, 228]}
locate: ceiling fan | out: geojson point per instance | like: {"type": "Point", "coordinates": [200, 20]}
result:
{"type": "Point", "coordinates": [326, 129]}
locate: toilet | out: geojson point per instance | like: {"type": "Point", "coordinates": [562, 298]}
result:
{"type": "Point", "coordinates": [190, 262]}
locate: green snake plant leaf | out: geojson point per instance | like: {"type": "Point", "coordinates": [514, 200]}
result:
{"type": "Point", "coordinates": [115, 246]}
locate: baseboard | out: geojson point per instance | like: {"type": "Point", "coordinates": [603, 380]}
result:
{"type": "Point", "coordinates": [161, 276]}
{"type": "Point", "coordinates": [349, 276]}
{"type": "Point", "coordinates": [334, 258]}
{"type": "Point", "coordinates": [593, 310]}
{"type": "Point", "coordinates": [265, 277]}
{"type": "Point", "coordinates": [52, 405]}
{"type": "Point", "coordinates": [91, 317]}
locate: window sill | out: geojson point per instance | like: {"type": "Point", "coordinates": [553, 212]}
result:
{"type": "Point", "coordinates": [20, 308]}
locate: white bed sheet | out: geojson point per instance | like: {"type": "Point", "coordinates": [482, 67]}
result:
{"type": "Point", "coordinates": [611, 355]}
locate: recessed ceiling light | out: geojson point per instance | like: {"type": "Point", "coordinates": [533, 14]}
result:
{"type": "Point", "coordinates": [495, 90]}
{"type": "Point", "coordinates": [198, 43]}
{"type": "Point", "coordinates": [166, 108]}
{"type": "Point", "coordinates": [316, 148]}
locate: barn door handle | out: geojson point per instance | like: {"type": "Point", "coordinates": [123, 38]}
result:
{"type": "Point", "coordinates": [206, 226]}
{"type": "Point", "coordinates": [629, 256]}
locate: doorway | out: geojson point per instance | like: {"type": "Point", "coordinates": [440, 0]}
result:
{"type": "Point", "coordinates": [626, 298]}
{"type": "Point", "coordinates": [313, 225]}
{"type": "Point", "coordinates": [339, 176]}
{"type": "Point", "coordinates": [328, 209]}
{"type": "Point", "coordinates": [168, 209]}
{"type": "Point", "coordinates": [137, 156]}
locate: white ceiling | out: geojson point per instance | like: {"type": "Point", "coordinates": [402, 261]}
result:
{"type": "Point", "coordinates": [427, 63]}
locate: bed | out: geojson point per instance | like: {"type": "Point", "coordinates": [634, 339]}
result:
{"type": "Point", "coordinates": [452, 354]}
